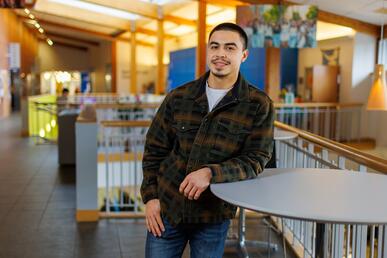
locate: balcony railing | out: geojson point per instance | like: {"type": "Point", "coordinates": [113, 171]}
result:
{"type": "Point", "coordinates": [339, 122]}
{"type": "Point", "coordinates": [312, 151]}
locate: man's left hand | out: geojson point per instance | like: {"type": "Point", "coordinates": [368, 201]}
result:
{"type": "Point", "coordinates": [195, 183]}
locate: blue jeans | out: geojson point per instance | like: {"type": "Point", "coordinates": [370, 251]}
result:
{"type": "Point", "coordinates": [206, 240]}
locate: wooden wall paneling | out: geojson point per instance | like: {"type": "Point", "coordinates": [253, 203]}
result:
{"type": "Point", "coordinates": [325, 88]}
{"type": "Point", "coordinates": [133, 61]}
{"type": "Point", "coordinates": [114, 67]}
{"type": "Point", "coordinates": [201, 32]}
{"type": "Point", "coordinates": [272, 78]}
{"type": "Point", "coordinates": [160, 83]}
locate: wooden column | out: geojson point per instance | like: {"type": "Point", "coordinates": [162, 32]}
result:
{"type": "Point", "coordinates": [272, 78]}
{"type": "Point", "coordinates": [133, 66]}
{"type": "Point", "coordinates": [201, 47]}
{"type": "Point", "coordinates": [160, 85]}
{"type": "Point", "coordinates": [114, 67]}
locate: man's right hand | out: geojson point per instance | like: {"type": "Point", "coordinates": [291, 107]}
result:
{"type": "Point", "coordinates": [153, 218]}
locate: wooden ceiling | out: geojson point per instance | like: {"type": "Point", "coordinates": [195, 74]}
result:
{"type": "Point", "coordinates": [180, 17]}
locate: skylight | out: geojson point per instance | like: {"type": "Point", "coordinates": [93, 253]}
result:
{"type": "Point", "coordinates": [160, 2]}
{"type": "Point", "coordinates": [98, 9]}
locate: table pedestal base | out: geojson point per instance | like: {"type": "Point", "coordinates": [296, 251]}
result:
{"type": "Point", "coordinates": [241, 243]}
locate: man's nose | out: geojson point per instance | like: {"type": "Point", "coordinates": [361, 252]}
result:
{"type": "Point", "coordinates": [221, 52]}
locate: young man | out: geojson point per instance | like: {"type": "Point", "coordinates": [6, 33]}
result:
{"type": "Point", "coordinates": [218, 128]}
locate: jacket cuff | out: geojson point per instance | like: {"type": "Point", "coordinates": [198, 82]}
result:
{"type": "Point", "coordinates": [150, 194]}
{"type": "Point", "coordinates": [216, 172]}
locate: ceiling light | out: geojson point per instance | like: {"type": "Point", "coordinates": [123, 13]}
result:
{"type": "Point", "coordinates": [37, 25]}
{"type": "Point", "coordinates": [377, 100]}
{"type": "Point", "coordinates": [41, 30]}
{"type": "Point", "coordinates": [27, 11]}
{"type": "Point", "coordinates": [223, 16]}
{"type": "Point", "coordinates": [49, 42]}
{"type": "Point", "coordinates": [329, 31]}
{"type": "Point", "coordinates": [31, 16]}
{"type": "Point", "coordinates": [181, 30]}
{"type": "Point", "coordinates": [98, 9]}
{"type": "Point", "coordinates": [159, 2]}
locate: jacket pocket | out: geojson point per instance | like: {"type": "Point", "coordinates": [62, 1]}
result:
{"type": "Point", "coordinates": [185, 133]}
{"type": "Point", "coordinates": [230, 138]}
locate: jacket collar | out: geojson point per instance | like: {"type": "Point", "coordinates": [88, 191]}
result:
{"type": "Point", "coordinates": [239, 92]}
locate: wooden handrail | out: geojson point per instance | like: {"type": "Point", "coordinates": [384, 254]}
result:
{"type": "Point", "coordinates": [356, 155]}
{"type": "Point", "coordinates": [131, 123]}
{"type": "Point", "coordinates": [360, 157]}
{"type": "Point", "coordinates": [316, 105]}
{"type": "Point", "coordinates": [127, 105]}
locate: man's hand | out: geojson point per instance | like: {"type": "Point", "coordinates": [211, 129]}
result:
{"type": "Point", "coordinates": [153, 218]}
{"type": "Point", "coordinates": [195, 183]}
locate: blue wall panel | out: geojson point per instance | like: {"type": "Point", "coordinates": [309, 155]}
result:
{"type": "Point", "coordinates": [253, 69]}
{"type": "Point", "coordinates": [289, 67]}
{"type": "Point", "coordinates": [181, 67]}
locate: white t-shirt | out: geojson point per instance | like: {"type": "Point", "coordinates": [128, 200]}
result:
{"type": "Point", "coordinates": [214, 96]}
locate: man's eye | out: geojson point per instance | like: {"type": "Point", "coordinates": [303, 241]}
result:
{"type": "Point", "coordinates": [214, 47]}
{"type": "Point", "coordinates": [230, 48]}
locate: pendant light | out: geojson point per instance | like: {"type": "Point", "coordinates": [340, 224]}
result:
{"type": "Point", "coordinates": [377, 99]}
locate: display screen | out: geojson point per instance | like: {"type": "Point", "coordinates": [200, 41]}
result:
{"type": "Point", "coordinates": [279, 25]}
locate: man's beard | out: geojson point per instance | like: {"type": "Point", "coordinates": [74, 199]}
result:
{"type": "Point", "coordinates": [219, 75]}
{"type": "Point", "coordinates": [214, 70]}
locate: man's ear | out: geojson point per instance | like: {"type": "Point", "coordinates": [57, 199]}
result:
{"type": "Point", "coordinates": [245, 55]}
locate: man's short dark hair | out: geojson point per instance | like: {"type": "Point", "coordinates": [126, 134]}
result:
{"type": "Point", "coordinates": [231, 27]}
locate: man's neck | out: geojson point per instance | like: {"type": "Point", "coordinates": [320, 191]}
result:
{"type": "Point", "coordinates": [226, 82]}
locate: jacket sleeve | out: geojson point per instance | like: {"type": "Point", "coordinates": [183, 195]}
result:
{"type": "Point", "coordinates": [255, 154]}
{"type": "Point", "coordinates": [158, 145]}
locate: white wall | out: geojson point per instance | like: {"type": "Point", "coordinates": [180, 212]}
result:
{"type": "Point", "coordinates": [100, 57]}
{"type": "Point", "coordinates": [357, 63]}
{"type": "Point", "coordinates": [146, 59]}
{"type": "Point", "coordinates": [363, 66]}
{"type": "Point", "coordinates": [374, 123]}
{"type": "Point", "coordinates": [59, 58]}
{"type": "Point", "coordinates": [308, 57]}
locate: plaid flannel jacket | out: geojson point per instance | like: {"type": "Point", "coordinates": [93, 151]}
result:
{"type": "Point", "coordinates": [234, 140]}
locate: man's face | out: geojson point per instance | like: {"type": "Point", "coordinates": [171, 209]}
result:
{"type": "Point", "coordinates": [225, 53]}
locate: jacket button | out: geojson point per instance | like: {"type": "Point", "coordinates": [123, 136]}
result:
{"type": "Point", "coordinates": [183, 127]}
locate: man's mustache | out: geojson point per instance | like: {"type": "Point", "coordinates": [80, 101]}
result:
{"type": "Point", "coordinates": [220, 59]}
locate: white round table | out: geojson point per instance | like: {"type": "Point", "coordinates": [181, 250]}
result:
{"type": "Point", "coordinates": [320, 195]}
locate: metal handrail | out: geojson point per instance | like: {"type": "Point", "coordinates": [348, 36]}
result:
{"type": "Point", "coordinates": [360, 157]}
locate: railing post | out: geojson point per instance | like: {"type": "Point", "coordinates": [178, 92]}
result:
{"type": "Point", "coordinates": [86, 170]}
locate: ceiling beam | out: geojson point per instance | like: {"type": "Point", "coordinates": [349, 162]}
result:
{"type": "Point", "coordinates": [85, 41]}
{"type": "Point", "coordinates": [348, 22]}
{"type": "Point", "coordinates": [78, 29]}
{"type": "Point", "coordinates": [119, 32]}
{"type": "Point", "coordinates": [228, 3]}
{"type": "Point", "coordinates": [93, 33]}
{"type": "Point", "coordinates": [134, 6]}
{"type": "Point", "coordinates": [179, 20]}
{"type": "Point", "coordinates": [68, 45]}
{"type": "Point", "coordinates": [147, 10]}
{"type": "Point", "coordinates": [153, 33]}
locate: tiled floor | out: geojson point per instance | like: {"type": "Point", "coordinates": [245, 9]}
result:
{"type": "Point", "coordinates": [37, 208]}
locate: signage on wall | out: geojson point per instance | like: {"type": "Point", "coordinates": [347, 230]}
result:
{"type": "Point", "coordinates": [330, 56]}
{"type": "Point", "coordinates": [279, 25]}
{"type": "Point", "coordinates": [17, 3]}
{"type": "Point", "coordinates": [14, 56]}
